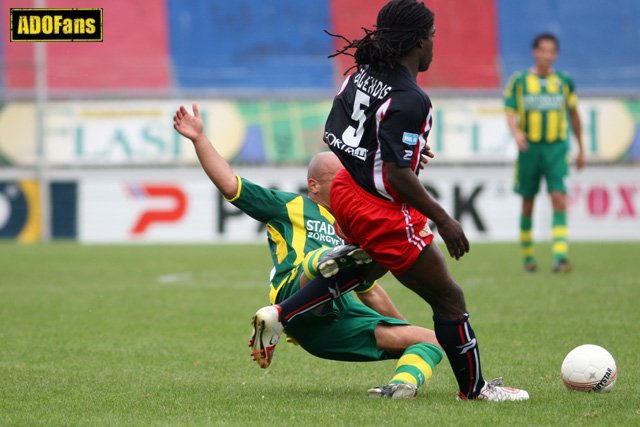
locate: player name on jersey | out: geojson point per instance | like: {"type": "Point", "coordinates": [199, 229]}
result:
{"type": "Point", "coordinates": [371, 85]}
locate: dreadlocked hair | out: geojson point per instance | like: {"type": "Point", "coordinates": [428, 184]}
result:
{"type": "Point", "coordinates": [400, 27]}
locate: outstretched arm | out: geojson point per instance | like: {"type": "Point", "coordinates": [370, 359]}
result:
{"type": "Point", "coordinates": [378, 299]}
{"type": "Point", "coordinates": [216, 167]}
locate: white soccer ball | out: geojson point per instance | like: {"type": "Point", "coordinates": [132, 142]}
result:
{"type": "Point", "coordinates": [589, 368]}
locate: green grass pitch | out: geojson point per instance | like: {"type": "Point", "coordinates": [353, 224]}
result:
{"type": "Point", "coordinates": [156, 335]}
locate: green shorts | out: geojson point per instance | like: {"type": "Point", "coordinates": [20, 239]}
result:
{"type": "Point", "coordinates": [343, 329]}
{"type": "Point", "coordinates": [542, 160]}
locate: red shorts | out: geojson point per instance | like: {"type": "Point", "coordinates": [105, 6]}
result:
{"type": "Point", "coordinates": [393, 233]}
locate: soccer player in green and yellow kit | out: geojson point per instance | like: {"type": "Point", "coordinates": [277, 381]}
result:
{"type": "Point", "coordinates": [538, 103]}
{"type": "Point", "coordinates": [300, 231]}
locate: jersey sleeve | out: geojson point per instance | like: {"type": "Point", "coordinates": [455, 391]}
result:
{"type": "Point", "coordinates": [510, 101]}
{"type": "Point", "coordinates": [262, 204]}
{"type": "Point", "coordinates": [401, 125]}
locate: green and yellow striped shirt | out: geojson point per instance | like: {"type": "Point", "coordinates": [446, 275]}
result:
{"type": "Point", "coordinates": [295, 224]}
{"type": "Point", "coordinates": [541, 103]}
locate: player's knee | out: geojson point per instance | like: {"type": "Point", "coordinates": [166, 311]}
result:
{"type": "Point", "coordinates": [396, 339]}
{"type": "Point", "coordinates": [559, 201]}
{"type": "Point", "coordinates": [456, 293]}
{"type": "Point", "coordinates": [527, 206]}
{"type": "Point", "coordinates": [422, 335]}
{"type": "Point", "coordinates": [450, 302]}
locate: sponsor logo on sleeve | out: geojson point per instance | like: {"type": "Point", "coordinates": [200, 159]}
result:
{"type": "Point", "coordinates": [410, 138]}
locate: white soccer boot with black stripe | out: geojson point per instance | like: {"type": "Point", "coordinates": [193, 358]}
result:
{"type": "Point", "coordinates": [494, 391]}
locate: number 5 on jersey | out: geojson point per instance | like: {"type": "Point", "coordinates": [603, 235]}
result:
{"type": "Point", "coordinates": [351, 136]}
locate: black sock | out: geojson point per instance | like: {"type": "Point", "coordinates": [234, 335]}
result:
{"type": "Point", "coordinates": [459, 343]}
{"type": "Point", "coordinates": [319, 291]}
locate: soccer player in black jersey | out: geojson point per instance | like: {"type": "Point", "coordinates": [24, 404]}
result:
{"type": "Point", "coordinates": [378, 127]}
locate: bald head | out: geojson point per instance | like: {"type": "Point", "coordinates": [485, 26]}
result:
{"type": "Point", "coordinates": [323, 163]}
{"type": "Point", "coordinates": [323, 167]}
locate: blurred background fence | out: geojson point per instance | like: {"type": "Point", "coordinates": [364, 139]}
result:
{"type": "Point", "coordinates": [116, 171]}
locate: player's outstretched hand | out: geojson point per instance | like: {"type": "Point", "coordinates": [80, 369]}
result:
{"type": "Point", "coordinates": [453, 236]}
{"type": "Point", "coordinates": [188, 125]}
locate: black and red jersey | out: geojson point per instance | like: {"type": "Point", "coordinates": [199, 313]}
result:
{"type": "Point", "coordinates": [375, 119]}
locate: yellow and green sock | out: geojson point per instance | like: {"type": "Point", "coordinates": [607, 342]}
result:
{"type": "Point", "coordinates": [310, 262]}
{"type": "Point", "coordinates": [526, 240]}
{"type": "Point", "coordinates": [559, 233]}
{"type": "Point", "coordinates": [417, 364]}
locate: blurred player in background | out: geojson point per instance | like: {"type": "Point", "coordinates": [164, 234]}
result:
{"type": "Point", "coordinates": [378, 126]}
{"type": "Point", "coordinates": [301, 235]}
{"type": "Point", "coordinates": [537, 101]}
